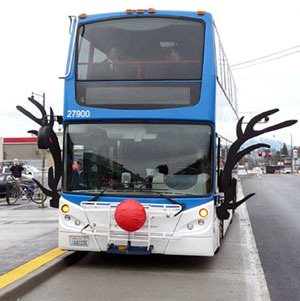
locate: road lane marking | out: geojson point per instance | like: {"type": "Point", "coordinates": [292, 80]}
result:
{"type": "Point", "coordinates": [256, 278]}
{"type": "Point", "coordinates": [29, 267]}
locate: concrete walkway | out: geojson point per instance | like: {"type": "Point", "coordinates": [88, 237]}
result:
{"type": "Point", "coordinates": [26, 231]}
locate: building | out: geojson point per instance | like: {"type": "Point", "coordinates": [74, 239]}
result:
{"type": "Point", "coordinates": [26, 149]}
{"type": "Point", "coordinates": [23, 148]}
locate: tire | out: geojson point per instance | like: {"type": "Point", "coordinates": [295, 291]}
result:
{"type": "Point", "coordinates": [38, 196]}
{"type": "Point", "coordinates": [7, 194]}
{"type": "Point", "coordinates": [14, 194]}
{"type": "Point", "coordinates": [221, 229]}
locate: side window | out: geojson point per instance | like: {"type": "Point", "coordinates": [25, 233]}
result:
{"type": "Point", "coordinates": [88, 56]}
{"type": "Point", "coordinates": [224, 74]}
{"type": "Point", "coordinates": [99, 56]}
{"type": "Point", "coordinates": [83, 58]}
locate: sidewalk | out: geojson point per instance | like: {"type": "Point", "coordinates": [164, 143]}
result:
{"type": "Point", "coordinates": [26, 231]}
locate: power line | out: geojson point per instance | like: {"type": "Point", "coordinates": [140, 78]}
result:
{"type": "Point", "coordinates": [266, 56]}
{"type": "Point", "coordinates": [264, 59]}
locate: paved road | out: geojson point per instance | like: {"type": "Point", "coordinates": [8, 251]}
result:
{"type": "Point", "coordinates": [275, 217]}
{"type": "Point", "coordinates": [233, 274]}
{"type": "Point", "coordinates": [26, 231]}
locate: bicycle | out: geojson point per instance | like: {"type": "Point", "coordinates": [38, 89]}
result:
{"type": "Point", "coordinates": [27, 189]}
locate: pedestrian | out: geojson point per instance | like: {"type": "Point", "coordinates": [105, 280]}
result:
{"type": "Point", "coordinates": [16, 169]}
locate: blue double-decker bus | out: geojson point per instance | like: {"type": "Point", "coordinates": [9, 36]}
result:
{"type": "Point", "coordinates": [149, 113]}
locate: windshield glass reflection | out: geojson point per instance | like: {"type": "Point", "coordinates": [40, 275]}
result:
{"type": "Point", "coordinates": [166, 158]}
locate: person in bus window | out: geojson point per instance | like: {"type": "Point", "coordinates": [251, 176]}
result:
{"type": "Point", "coordinates": [173, 55]}
{"type": "Point", "coordinates": [77, 182]}
{"type": "Point", "coordinates": [113, 57]}
{"type": "Point", "coordinates": [108, 68]}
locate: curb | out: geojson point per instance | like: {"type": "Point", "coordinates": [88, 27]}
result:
{"type": "Point", "coordinates": [260, 291]}
{"type": "Point", "coordinates": [14, 291]}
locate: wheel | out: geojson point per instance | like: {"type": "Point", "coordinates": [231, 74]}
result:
{"type": "Point", "coordinates": [7, 193]}
{"type": "Point", "coordinates": [14, 194]}
{"type": "Point", "coordinates": [38, 196]}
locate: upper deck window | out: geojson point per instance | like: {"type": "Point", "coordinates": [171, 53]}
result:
{"type": "Point", "coordinates": [140, 49]}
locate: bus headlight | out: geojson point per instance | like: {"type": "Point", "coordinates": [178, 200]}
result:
{"type": "Point", "coordinates": [65, 208]}
{"type": "Point", "coordinates": [203, 212]}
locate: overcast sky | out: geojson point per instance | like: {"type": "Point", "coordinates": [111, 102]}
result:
{"type": "Point", "coordinates": [34, 43]}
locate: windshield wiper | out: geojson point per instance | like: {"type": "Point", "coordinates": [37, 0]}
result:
{"type": "Point", "coordinates": [98, 195]}
{"type": "Point", "coordinates": [182, 205]}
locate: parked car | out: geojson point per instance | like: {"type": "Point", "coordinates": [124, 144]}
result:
{"type": "Point", "coordinates": [6, 182]}
{"type": "Point", "coordinates": [30, 170]}
{"type": "Point", "coordinates": [286, 170]}
{"type": "Point", "coordinates": [28, 173]}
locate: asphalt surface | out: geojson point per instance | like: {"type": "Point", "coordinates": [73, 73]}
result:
{"type": "Point", "coordinates": [26, 231]}
{"type": "Point", "coordinates": [275, 217]}
{"type": "Point", "coordinates": [233, 274]}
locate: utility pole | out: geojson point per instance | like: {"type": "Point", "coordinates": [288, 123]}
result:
{"type": "Point", "coordinates": [43, 151]}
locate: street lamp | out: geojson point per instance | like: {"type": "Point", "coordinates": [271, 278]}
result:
{"type": "Point", "coordinates": [40, 95]}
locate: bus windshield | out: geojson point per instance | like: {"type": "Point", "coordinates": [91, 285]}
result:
{"type": "Point", "coordinates": [139, 62]}
{"type": "Point", "coordinates": [165, 158]}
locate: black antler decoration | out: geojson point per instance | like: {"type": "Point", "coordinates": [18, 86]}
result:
{"type": "Point", "coordinates": [228, 183]}
{"type": "Point", "coordinates": [47, 139]}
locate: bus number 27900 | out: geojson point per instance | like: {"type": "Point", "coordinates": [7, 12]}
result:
{"type": "Point", "coordinates": [78, 113]}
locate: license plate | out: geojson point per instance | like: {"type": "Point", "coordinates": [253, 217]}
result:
{"type": "Point", "coordinates": [79, 241]}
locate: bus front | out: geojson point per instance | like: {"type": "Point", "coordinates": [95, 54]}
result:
{"type": "Point", "coordinates": [139, 135]}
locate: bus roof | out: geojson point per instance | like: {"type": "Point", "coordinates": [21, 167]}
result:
{"type": "Point", "coordinates": [84, 18]}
